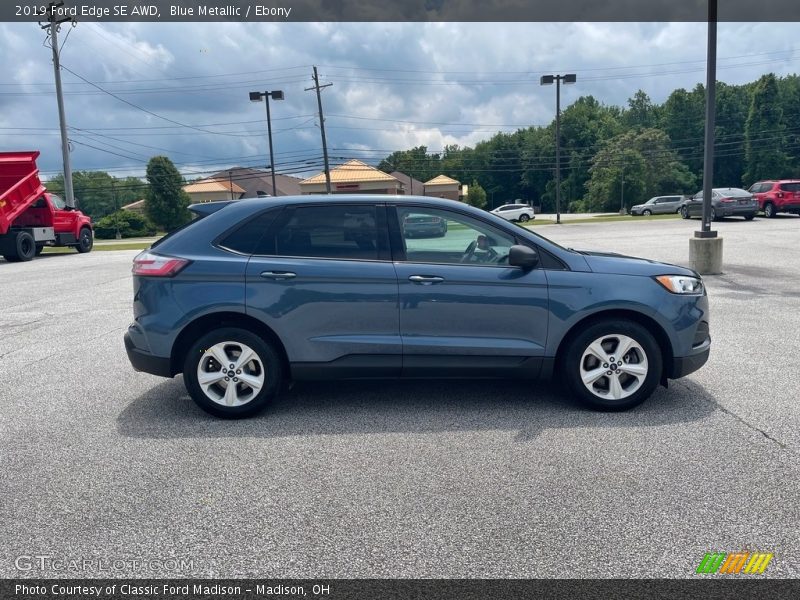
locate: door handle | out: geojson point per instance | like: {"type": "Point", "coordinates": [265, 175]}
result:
{"type": "Point", "coordinates": [278, 275]}
{"type": "Point", "coordinates": [426, 279]}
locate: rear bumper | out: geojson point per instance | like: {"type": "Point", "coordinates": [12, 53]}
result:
{"type": "Point", "coordinates": [734, 210]}
{"type": "Point", "coordinates": [146, 362]}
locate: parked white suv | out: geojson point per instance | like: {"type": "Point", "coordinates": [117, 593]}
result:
{"type": "Point", "coordinates": [514, 212]}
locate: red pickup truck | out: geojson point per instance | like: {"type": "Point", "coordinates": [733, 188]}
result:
{"type": "Point", "coordinates": [30, 217]}
{"type": "Point", "coordinates": [782, 196]}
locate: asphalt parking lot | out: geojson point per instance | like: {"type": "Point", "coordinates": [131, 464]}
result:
{"type": "Point", "coordinates": [402, 479]}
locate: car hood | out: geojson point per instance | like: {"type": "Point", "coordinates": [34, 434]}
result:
{"type": "Point", "coordinates": [619, 264]}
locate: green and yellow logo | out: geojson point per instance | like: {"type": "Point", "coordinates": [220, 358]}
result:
{"type": "Point", "coordinates": [752, 563]}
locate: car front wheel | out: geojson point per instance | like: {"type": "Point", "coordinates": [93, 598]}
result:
{"type": "Point", "coordinates": [646, 213]}
{"type": "Point", "coordinates": [232, 373]}
{"type": "Point", "coordinates": [85, 241]}
{"type": "Point", "coordinates": [612, 365]}
{"type": "Point", "coordinates": [684, 212]}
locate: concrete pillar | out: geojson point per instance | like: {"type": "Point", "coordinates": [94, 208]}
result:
{"type": "Point", "coordinates": [705, 255]}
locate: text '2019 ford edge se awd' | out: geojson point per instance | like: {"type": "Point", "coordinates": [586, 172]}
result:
{"type": "Point", "coordinates": [261, 291]}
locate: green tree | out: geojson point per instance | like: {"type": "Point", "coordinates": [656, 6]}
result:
{"type": "Point", "coordinates": [166, 202]}
{"type": "Point", "coordinates": [639, 164]}
{"type": "Point", "coordinates": [476, 196]}
{"type": "Point", "coordinates": [641, 111]}
{"type": "Point", "coordinates": [765, 157]}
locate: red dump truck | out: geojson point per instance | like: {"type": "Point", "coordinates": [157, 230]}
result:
{"type": "Point", "coordinates": [30, 217]}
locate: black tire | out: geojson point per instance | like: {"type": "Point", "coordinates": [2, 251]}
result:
{"type": "Point", "coordinates": [85, 241]}
{"type": "Point", "coordinates": [39, 248]}
{"type": "Point", "coordinates": [750, 217]}
{"type": "Point", "coordinates": [646, 213]}
{"type": "Point", "coordinates": [523, 218]}
{"type": "Point", "coordinates": [266, 361]}
{"type": "Point", "coordinates": [20, 248]}
{"type": "Point", "coordinates": [769, 210]}
{"type": "Point", "coordinates": [571, 364]}
{"type": "Point", "coordinates": [684, 212]}
{"type": "Point", "coordinates": [714, 215]}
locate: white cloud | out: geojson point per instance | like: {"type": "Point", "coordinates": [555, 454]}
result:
{"type": "Point", "coordinates": [419, 74]}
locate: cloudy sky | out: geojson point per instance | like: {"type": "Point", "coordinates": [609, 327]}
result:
{"type": "Point", "coordinates": [134, 90]}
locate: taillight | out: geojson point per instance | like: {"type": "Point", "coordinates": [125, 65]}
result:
{"type": "Point", "coordinates": [155, 265]}
{"type": "Point", "coordinates": [779, 194]}
{"type": "Point", "coordinates": [727, 200]}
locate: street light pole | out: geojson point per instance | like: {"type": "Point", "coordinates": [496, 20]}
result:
{"type": "Point", "coordinates": [256, 97]}
{"type": "Point", "coordinates": [548, 80]}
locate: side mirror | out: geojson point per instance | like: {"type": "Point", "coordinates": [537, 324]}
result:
{"type": "Point", "coordinates": [523, 257]}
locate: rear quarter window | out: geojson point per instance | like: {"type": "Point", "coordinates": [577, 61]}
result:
{"type": "Point", "coordinates": [246, 238]}
{"type": "Point", "coordinates": [790, 187]}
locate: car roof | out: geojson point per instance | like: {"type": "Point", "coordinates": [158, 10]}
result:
{"type": "Point", "coordinates": [353, 199]}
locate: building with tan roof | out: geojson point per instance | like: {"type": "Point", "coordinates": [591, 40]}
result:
{"type": "Point", "coordinates": [353, 177]}
{"type": "Point", "coordinates": [211, 189]}
{"type": "Point", "coordinates": [442, 186]}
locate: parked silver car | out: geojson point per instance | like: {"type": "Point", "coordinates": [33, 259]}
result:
{"type": "Point", "coordinates": [659, 205]}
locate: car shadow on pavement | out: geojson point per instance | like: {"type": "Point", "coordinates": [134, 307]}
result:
{"type": "Point", "coordinates": [369, 407]}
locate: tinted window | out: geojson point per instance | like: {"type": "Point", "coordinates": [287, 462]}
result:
{"type": "Point", "coordinates": [790, 187]}
{"type": "Point", "coordinates": [341, 232]}
{"type": "Point", "coordinates": [505, 208]}
{"type": "Point", "coordinates": [246, 237]}
{"type": "Point", "coordinates": [440, 236]}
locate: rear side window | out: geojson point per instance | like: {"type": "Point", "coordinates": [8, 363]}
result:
{"type": "Point", "coordinates": [339, 232]}
{"type": "Point", "coordinates": [790, 187]}
{"type": "Point", "coordinates": [245, 238]}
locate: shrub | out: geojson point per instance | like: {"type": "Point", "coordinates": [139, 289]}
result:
{"type": "Point", "coordinates": [130, 224]}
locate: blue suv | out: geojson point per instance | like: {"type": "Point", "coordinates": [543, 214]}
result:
{"type": "Point", "coordinates": [263, 291]}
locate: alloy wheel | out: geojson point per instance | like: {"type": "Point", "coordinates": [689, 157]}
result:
{"type": "Point", "coordinates": [230, 373]}
{"type": "Point", "coordinates": [614, 366]}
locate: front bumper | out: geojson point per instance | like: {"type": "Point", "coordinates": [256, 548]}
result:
{"type": "Point", "coordinates": [683, 365]}
{"type": "Point", "coordinates": [146, 362]}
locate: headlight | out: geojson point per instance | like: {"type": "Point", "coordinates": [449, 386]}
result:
{"type": "Point", "coordinates": [681, 284]}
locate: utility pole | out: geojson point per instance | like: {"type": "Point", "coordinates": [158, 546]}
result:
{"type": "Point", "coordinates": [319, 87]}
{"type": "Point", "coordinates": [230, 183]}
{"type": "Point", "coordinates": [54, 24]}
{"type": "Point", "coordinates": [622, 192]}
{"type": "Point", "coordinates": [117, 235]}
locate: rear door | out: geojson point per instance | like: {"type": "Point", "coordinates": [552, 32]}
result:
{"type": "Point", "coordinates": [463, 310]}
{"type": "Point", "coordinates": [323, 280]}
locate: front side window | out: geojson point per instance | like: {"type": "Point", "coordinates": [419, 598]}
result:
{"type": "Point", "coordinates": [58, 203]}
{"type": "Point", "coordinates": [444, 237]}
{"type": "Point", "coordinates": [339, 232]}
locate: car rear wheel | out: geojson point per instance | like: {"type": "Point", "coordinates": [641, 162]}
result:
{"type": "Point", "coordinates": [769, 210]}
{"type": "Point", "coordinates": [20, 247]}
{"type": "Point", "coordinates": [232, 373]}
{"type": "Point", "coordinates": [714, 214]}
{"type": "Point", "coordinates": [612, 365]}
{"type": "Point", "coordinates": [647, 213]}
{"type": "Point", "coordinates": [684, 212]}
{"type": "Point", "coordinates": [523, 218]}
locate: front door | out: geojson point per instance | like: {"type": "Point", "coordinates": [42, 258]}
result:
{"type": "Point", "coordinates": [463, 310]}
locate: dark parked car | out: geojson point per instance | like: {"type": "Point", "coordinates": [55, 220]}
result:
{"type": "Point", "coordinates": [660, 205]}
{"type": "Point", "coordinates": [415, 225]}
{"type": "Point", "coordinates": [777, 196]}
{"type": "Point", "coordinates": [260, 292]}
{"type": "Point", "coordinates": [725, 202]}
